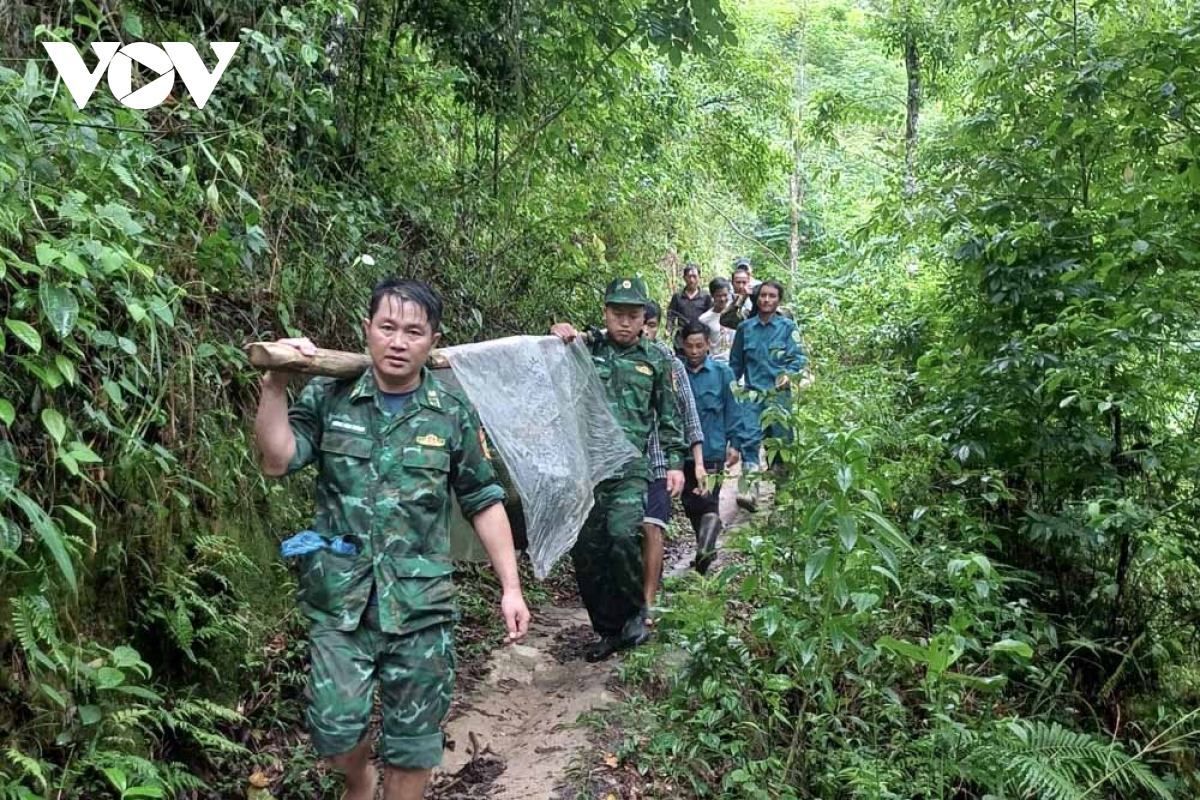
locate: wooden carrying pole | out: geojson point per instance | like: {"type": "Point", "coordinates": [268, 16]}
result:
{"type": "Point", "coordinates": [329, 363]}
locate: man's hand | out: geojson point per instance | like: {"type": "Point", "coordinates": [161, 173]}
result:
{"type": "Point", "coordinates": [701, 479]}
{"type": "Point", "coordinates": [732, 457]}
{"type": "Point", "coordinates": [516, 615]}
{"type": "Point", "coordinates": [783, 381]}
{"type": "Point", "coordinates": [565, 331]}
{"type": "Point", "coordinates": [675, 482]}
{"type": "Point", "coordinates": [278, 381]}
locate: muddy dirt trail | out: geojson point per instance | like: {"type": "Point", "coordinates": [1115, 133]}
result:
{"type": "Point", "coordinates": [516, 736]}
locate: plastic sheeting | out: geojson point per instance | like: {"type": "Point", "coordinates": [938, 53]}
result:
{"type": "Point", "coordinates": [545, 410]}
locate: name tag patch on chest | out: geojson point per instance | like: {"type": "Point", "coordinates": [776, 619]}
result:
{"type": "Point", "coordinates": [431, 440]}
{"type": "Point", "coordinates": [342, 425]}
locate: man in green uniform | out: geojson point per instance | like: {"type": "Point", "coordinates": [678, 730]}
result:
{"type": "Point", "coordinates": [608, 555]}
{"type": "Point", "coordinates": [389, 445]}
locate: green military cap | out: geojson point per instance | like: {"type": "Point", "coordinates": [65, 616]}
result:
{"type": "Point", "coordinates": [626, 292]}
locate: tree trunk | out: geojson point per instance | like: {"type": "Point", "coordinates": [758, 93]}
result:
{"type": "Point", "coordinates": [796, 181]}
{"type": "Point", "coordinates": [330, 363]}
{"type": "Point", "coordinates": [912, 66]}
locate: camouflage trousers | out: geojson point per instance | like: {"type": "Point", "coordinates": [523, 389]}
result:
{"type": "Point", "coordinates": [415, 676]}
{"type": "Point", "coordinates": [608, 555]}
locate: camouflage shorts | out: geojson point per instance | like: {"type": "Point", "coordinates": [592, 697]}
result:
{"type": "Point", "coordinates": [415, 674]}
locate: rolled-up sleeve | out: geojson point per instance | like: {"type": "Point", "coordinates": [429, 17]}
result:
{"type": "Point", "coordinates": [475, 482]}
{"type": "Point", "coordinates": [306, 421]}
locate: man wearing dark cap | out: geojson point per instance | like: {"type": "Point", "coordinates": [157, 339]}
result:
{"type": "Point", "coordinates": [637, 379]}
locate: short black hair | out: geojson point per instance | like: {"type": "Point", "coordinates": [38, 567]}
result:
{"type": "Point", "coordinates": [692, 328]}
{"type": "Point", "coordinates": [692, 268]}
{"type": "Point", "coordinates": [408, 291]}
{"type": "Point", "coordinates": [778, 286]}
{"type": "Point", "coordinates": [717, 284]}
{"type": "Point", "coordinates": [653, 311]}
{"type": "Point", "coordinates": [743, 268]}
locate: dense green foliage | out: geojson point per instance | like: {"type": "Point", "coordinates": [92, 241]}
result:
{"type": "Point", "coordinates": [980, 576]}
{"type": "Point", "coordinates": [511, 156]}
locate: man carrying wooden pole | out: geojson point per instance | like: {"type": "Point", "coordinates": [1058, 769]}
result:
{"type": "Point", "coordinates": [390, 445]}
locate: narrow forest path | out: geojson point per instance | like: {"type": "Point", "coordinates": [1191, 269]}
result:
{"type": "Point", "coordinates": [516, 735]}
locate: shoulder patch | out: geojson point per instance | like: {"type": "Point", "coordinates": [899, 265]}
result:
{"type": "Point", "coordinates": [483, 445]}
{"type": "Point", "coordinates": [644, 368]}
{"type": "Point", "coordinates": [431, 440]}
{"type": "Point", "coordinates": [796, 336]}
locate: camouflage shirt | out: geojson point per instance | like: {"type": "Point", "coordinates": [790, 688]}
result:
{"type": "Point", "coordinates": [639, 383]}
{"type": "Point", "coordinates": [386, 481]}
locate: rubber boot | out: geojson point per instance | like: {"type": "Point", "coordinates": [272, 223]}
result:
{"type": "Point", "coordinates": [635, 633]}
{"type": "Point", "coordinates": [706, 541]}
{"type": "Point", "coordinates": [748, 500]}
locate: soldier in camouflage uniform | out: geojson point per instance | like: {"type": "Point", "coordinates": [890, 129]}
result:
{"type": "Point", "coordinates": [390, 446]}
{"type": "Point", "coordinates": [608, 555]}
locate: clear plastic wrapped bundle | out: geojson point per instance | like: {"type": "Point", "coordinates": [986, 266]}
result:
{"type": "Point", "coordinates": [544, 408]}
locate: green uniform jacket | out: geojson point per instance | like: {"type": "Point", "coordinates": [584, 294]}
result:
{"type": "Point", "coordinates": [386, 480]}
{"type": "Point", "coordinates": [640, 384]}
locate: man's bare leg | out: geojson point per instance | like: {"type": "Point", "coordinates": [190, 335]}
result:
{"type": "Point", "coordinates": [361, 775]}
{"type": "Point", "coordinates": [652, 559]}
{"type": "Point", "coordinates": [405, 784]}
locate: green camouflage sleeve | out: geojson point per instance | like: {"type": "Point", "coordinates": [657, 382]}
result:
{"type": "Point", "coordinates": [670, 426]}
{"type": "Point", "coordinates": [306, 420]}
{"type": "Point", "coordinates": [474, 480]}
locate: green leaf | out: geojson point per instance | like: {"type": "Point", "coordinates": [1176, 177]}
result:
{"type": "Point", "coordinates": [50, 535]}
{"type": "Point", "coordinates": [132, 24]}
{"type": "Point", "coordinates": [53, 694]}
{"type": "Point", "coordinates": [142, 791]}
{"type": "Point", "coordinates": [162, 310]}
{"type": "Point", "coordinates": [905, 649]}
{"type": "Point", "coordinates": [79, 517]}
{"type": "Point", "coordinates": [84, 454]}
{"type": "Point", "coordinates": [90, 715]}
{"type": "Point", "coordinates": [46, 254]}
{"type": "Point", "coordinates": [25, 332]}
{"type": "Point", "coordinates": [119, 217]}
{"type": "Point", "coordinates": [888, 530]}
{"type": "Point", "coordinates": [845, 477]}
{"type": "Point", "coordinates": [10, 468]}
{"type": "Point", "coordinates": [126, 656]}
{"type": "Point", "coordinates": [1019, 649]}
{"type": "Point", "coordinates": [55, 424]}
{"type": "Point", "coordinates": [117, 778]}
{"type": "Point", "coordinates": [31, 78]}
{"type": "Point", "coordinates": [141, 692]}
{"type": "Point", "coordinates": [114, 393]}
{"type": "Point", "coordinates": [864, 601]}
{"type": "Point", "coordinates": [66, 368]}
{"type": "Point", "coordinates": [847, 531]}
{"type": "Point", "coordinates": [10, 535]}
{"type": "Point", "coordinates": [60, 307]}
{"type": "Point", "coordinates": [777, 683]}
{"type": "Point", "coordinates": [109, 678]}
{"type": "Point", "coordinates": [69, 463]}
{"type": "Point", "coordinates": [816, 563]}
{"type": "Point", "coordinates": [7, 412]}
{"type": "Point", "coordinates": [992, 683]}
